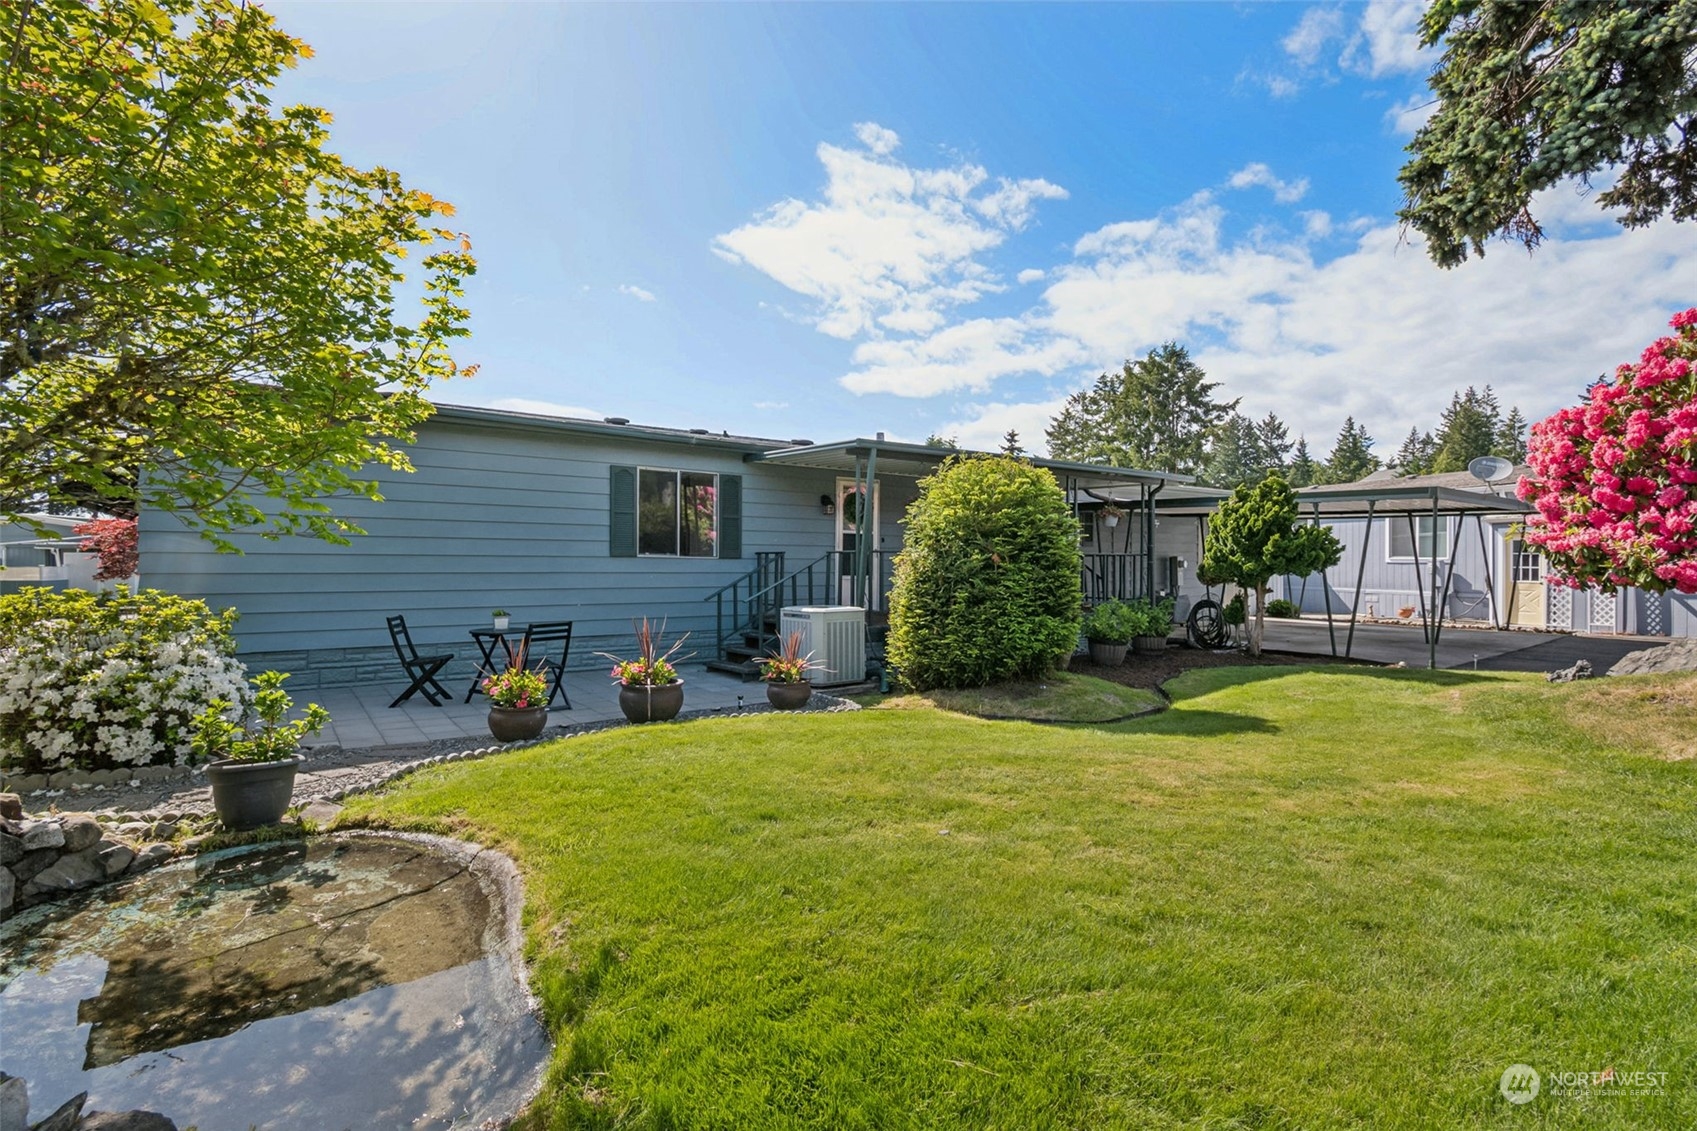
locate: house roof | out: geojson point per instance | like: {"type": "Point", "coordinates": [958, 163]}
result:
{"type": "Point", "coordinates": [613, 426]}
{"type": "Point", "coordinates": [921, 459]}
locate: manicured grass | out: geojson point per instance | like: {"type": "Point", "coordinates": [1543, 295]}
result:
{"type": "Point", "coordinates": [1301, 898]}
{"type": "Point", "coordinates": [1057, 698]}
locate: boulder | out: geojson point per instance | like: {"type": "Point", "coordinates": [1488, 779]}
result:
{"type": "Point", "coordinates": [65, 1118]}
{"type": "Point", "coordinates": [116, 858]}
{"type": "Point", "coordinates": [125, 1121]}
{"type": "Point", "coordinates": [11, 849]}
{"type": "Point", "coordinates": [71, 873]}
{"type": "Point", "coordinates": [43, 832]}
{"type": "Point", "coordinates": [151, 856]}
{"type": "Point", "coordinates": [1581, 669]}
{"type": "Point", "coordinates": [14, 1103]}
{"type": "Point", "coordinates": [8, 896]}
{"type": "Point", "coordinates": [80, 831]}
{"type": "Point", "coordinates": [11, 807]}
{"type": "Point", "coordinates": [33, 862]}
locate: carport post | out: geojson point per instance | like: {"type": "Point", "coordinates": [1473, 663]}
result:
{"type": "Point", "coordinates": [1485, 555]}
{"type": "Point", "coordinates": [1437, 610]}
{"type": "Point", "coordinates": [1419, 586]}
{"type": "Point", "coordinates": [1326, 591]}
{"type": "Point", "coordinates": [1360, 576]}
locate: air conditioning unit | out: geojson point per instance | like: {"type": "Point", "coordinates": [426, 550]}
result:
{"type": "Point", "coordinates": [835, 634]}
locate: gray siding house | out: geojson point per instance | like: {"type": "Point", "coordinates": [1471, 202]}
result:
{"type": "Point", "coordinates": [1490, 574]}
{"type": "Point", "coordinates": [29, 556]}
{"type": "Point", "coordinates": [593, 521]}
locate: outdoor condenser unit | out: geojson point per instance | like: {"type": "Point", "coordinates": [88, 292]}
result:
{"type": "Point", "coordinates": [835, 634]}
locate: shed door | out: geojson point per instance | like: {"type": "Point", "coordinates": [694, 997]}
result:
{"type": "Point", "coordinates": [1526, 600]}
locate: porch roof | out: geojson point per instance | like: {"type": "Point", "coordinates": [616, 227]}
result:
{"type": "Point", "coordinates": [1356, 500]}
{"type": "Point", "coordinates": [906, 459]}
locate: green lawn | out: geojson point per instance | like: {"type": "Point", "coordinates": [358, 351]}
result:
{"type": "Point", "coordinates": [1302, 898]}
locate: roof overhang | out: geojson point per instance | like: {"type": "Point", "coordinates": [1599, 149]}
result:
{"type": "Point", "coordinates": [915, 460]}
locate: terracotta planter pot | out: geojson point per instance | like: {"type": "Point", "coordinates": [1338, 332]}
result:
{"type": "Point", "coordinates": [789, 696]}
{"type": "Point", "coordinates": [1149, 645]}
{"type": "Point", "coordinates": [515, 724]}
{"type": "Point", "coordinates": [249, 795]}
{"type": "Point", "coordinates": [651, 704]}
{"type": "Point", "coordinates": [1107, 655]}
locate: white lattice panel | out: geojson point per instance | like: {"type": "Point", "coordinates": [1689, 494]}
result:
{"type": "Point", "coordinates": [1655, 615]}
{"type": "Point", "coordinates": [1561, 606]}
{"type": "Point", "coordinates": [1605, 608]}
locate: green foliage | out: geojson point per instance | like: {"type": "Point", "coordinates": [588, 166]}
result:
{"type": "Point", "coordinates": [199, 303]}
{"type": "Point", "coordinates": [1112, 622]}
{"type": "Point", "coordinates": [1303, 470]}
{"type": "Point", "coordinates": [1415, 455]}
{"type": "Point", "coordinates": [1532, 94]}
{"type": "Point", "coordinates": [987, 583]}
{"type": "Point", "coordinates": [1157, 413]}
{"type": "Point", "coordinates": [1255, 537]}
{"type": "Point", "coordinates": [1152, 618]}
{"type": "Point", "coordinates": [1283, 609]}
{"type": "Point", "coordinates": [1468, 430]}
{"type": "Point", "coordinates": [1236, 610]}
{"type": "Point", "coordinates": [258, 732]}
{"type": "Point", "coordinates": [1511, 437]}
{"type": "Point", "coordinates": [1352, 456]}
{"type": "Point", "coordinates": [100, 682]}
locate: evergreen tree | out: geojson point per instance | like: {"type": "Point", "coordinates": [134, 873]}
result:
{"type": "Point", "coordinates": [1352, 456]}
{"type": "Point", "coordinates": [1156, 413]}
{"type": "Point", "coordinates": [936, 440]}
{"type": "Point", "coordinates": [1304, 472]}
{"type": "Point", "coordinates": [1234, 453]}
{"type": "Point", "coordinates": [1272, 439]}
{"type": "Point", "coordinates": [1468, 430]}
{"type": "Point", "coordinates": [1011, 445]}
{"type": "Point", "coordinates": [1257, 535]}
{"type": "Point", "coordinates": [1415, 455]}
{"type": "Point", "coordinates": [1511, 437]}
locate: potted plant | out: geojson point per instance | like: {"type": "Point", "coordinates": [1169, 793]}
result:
{"type": "Point", "coordinates": [1154, 621]}
{"type": "Point", "coordinates": [785, 673]}
{"type": "Point", "coordinates": [1111, 514]}
{"type": "Point", "coordinates": [650, 689]}
{"type": "Point", "coordinates": [1109, 629]}
{"type": "Point", "coordinates": [518, 701]}
{"type": "Point", "coordinates": [501, 619]}
{"type": "Point", "coordinates": [252, 758]}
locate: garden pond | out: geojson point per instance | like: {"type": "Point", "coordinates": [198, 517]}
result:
{"type": "Point", "coordinates": [358, 981]}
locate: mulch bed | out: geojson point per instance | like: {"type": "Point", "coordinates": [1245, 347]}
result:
{"type": "Point", "coordinates": [1152, 671]}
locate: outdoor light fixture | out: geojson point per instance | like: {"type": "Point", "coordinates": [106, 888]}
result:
{"type": "Point", "coordinates": [827, 505]}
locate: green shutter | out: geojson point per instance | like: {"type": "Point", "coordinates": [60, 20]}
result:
{"type": "Point", "coordinates": [730, 516]}
{"type": "Point", "coordinates": [621, 512]}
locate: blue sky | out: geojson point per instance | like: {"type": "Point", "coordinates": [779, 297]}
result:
{"type": "Point", "coordinates": [827, 220]}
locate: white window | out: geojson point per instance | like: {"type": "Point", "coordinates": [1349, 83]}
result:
{"type": "Point", "coordinates": [1432, 534]}
{"type": "Point", "coordinates": [677, 513]}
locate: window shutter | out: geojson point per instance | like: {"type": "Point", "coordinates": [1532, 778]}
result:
{"type": "Point", "coordinates": [621, 512]}
{"type": "Point", "coordinates": [730, 516]}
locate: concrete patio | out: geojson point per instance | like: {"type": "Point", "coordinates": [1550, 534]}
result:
{"type": "Point", "coordinates": [361, 717]}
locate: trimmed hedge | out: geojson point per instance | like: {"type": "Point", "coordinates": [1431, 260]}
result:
{"type": "Point", "coordinates": [987, 583]}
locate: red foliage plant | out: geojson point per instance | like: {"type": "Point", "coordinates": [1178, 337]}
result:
{"type": "Point", "coordinates": [114, 539]}
{"type": "Point", "coordinates": [1614, 478]}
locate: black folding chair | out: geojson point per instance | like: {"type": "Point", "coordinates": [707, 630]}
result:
{"type": "Point", "coordinates": [536, 653]}
{"type": "Point", "coordinates": [420, 669]}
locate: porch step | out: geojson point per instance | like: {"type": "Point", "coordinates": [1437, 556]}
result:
{"type": "Point", "coordinates": [745, 669]}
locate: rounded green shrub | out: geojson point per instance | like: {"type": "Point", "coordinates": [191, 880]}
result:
{"type": "Point", "coordinates": [987, 583]}
{"type": "Point", "coordinates": [1113, 622]}
{"type": "Point", "coordinates": [1286, 610]}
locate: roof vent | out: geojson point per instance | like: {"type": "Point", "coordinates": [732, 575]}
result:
{"type": "Point", "coordinates": [616, 419]}
{"type": "Point", "coordinates": [802, 443]}
{"type": "Point", "coordinates": [698, 431]}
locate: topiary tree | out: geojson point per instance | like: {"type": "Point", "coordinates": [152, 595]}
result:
{"type": "Point", "coordinates": [1254, 538]}
{"type": "Point", "coordinates": [987, 583]}
{"type": "Point", "coordinates": [1615, 477]}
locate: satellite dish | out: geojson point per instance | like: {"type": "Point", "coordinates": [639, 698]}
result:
{"type": "Point", "coordinates": [1490, 469]}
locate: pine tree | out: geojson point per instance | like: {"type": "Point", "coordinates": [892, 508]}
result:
{"type": "Point", "coordinates": [1511, 437]}
{"type": "Point", "coordinates": [1234, 453]}
{"type": "Point", "coordinates": [1011, 445]}
{"type": "Point", "coordinates": [1304, 472]}
{"type": "Point", "coordinates": [1272, 439]}
{"type": "Point", "coordinates": [1157, 413]}
{"type": "Point", "coordinates": [1415, 455]}
{"type": "Point", "coordinates": [1352, 456]}
{"type": "Point", "coordinates": [937, 440]}
{"type": "Point", "coordinates": [1468, 430]}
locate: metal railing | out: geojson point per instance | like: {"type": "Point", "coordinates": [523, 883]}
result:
{"type": "Point", "coordinates": [748, 607]}
{"type": "Point", "coordinates": [1115, 577]}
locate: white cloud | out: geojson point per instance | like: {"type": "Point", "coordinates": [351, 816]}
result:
{"type": "Point", "coordinates": [1285, 192]}
{"type": "Point", "coordinates": [636, 292]}
{"type": "Point", "coordinates": [1411, 113]}
{"type": "Point", "coordinates": [876, 138]}
{"type": "Point", "coordinates": [545, 408]}
{"type": "Point", "coordinates": [889, 248]}
{"type": "Point", "coordinates": [983, 426]}
{"type": "Point", "coordinates": [1388, 40]}
{"type": "Point", "coordinates": [1308, 39]}
{"type": "Point", "coordinates": [1316, 224]}
{"type": "Point", "coordinates": [968, 355]}
{"type": "Point", "coordinates": [1030, 275]}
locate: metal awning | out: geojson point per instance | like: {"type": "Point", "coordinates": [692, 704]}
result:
{"type": "Point", "coordinates": [915, 460]}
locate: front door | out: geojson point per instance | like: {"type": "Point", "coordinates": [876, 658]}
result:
{"type": "Point", "coordinates": [1526, 601]}
{"type": "Point", "coordinates": [852, 525]}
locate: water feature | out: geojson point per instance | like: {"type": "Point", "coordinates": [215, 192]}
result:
{"type": "Point", "coordinates": [350, 981]}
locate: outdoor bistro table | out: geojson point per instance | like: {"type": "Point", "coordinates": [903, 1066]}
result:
{"type": "Point", "coordinates": [487, 640]}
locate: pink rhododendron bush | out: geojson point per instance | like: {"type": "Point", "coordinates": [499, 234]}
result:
{"type": "Point", "coordinates": [1614, 479]}
{"type": "Point", "coordinates": [97, 682]}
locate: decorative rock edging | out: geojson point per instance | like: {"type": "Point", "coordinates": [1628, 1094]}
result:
{"type": "Point", "coordinates": [94, 779]}
{"type": "Point", "coordinates": [69, 1116]}
{"type": "Point", "coordinates": [45, 857]}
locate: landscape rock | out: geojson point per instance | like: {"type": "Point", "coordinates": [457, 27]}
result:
{"type": "Point", "coordinates": [43, 832]}
{"type": "Point", "coordinates": [132, 830]}
{"type": "Point", "coordinates": [11, 807]}
{"type": "Point", "coordinates": [69, 873]}
{"type": "Point", "coordinates": [26, 868]}
{"type": "Point", "coordinates": [11, 849]}
{"type": "Point", "coordinates": [163, 830]}
{"type": "Point", "coordinates": [80, 831]}
{"type": "Point", "coordinates": [116, 858]}
{"type": "Point", "coordinates": [1678, 656]}
{"type": "Point", "coordinates": [125, 1121]}
{"type": "Point", "coordinates": [8, 896]}
{"type": "Point", "coordinates": [27, 783]}
{"type": "Point", "coordinates": [1581, 669]}
{"type": "Point", "coordinates": [151, 856]}
{"type": "Point", "coordinates": [64, 1119]}
{"type": "Point", "coordinates": [321, 812]}
{"type": "Point", "coordinates": [14, 1103]}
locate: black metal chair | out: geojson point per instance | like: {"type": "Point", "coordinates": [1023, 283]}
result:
{"type": "Point", "coordinates": [537, 655]}
{"type": "Point", "coordinates": [420, 669]}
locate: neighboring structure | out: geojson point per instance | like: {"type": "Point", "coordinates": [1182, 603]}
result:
{"type": "Point", "coordinates": [600, 522]}
{"type": "Point", "coordinates": [32, 556]}
{"type": "Point", "coordinates": [1467, 554]}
